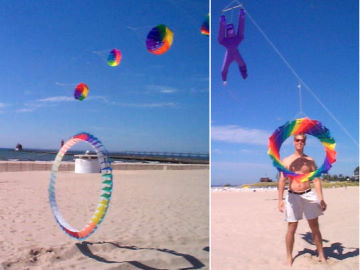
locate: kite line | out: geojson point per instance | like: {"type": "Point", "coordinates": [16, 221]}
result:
{"type": "Point", "coordinates": [300, 80]}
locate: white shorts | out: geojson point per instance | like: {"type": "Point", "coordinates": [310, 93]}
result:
{"type": "Point", "coordinates": [296, 205]}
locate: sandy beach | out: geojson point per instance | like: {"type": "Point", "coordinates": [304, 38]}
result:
{"type": "Point", "coordinates": [158, 219]}
{"type": "Point", "coordinates": [248, 232]}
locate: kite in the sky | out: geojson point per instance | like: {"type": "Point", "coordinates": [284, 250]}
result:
{"type": "Point", "coordinates": [81, 91]}
{"type": "Point", "coordinates": [231, 40]}
{"type": "Point", "coordinates": [205, 27]}
{"type": "Point", "coordinates": [114, 58]}
{"type": "Point", "coordinates": [159, 39]}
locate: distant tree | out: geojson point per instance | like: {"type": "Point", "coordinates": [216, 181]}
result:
{"type": "Point", "coordinates": [356, 171]}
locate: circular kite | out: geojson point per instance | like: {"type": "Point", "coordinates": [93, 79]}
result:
{"type": "Point", "coordinates": [114, 58]}
{"type": "Point", "coordinates": [298, 126]}
{"type": "Point", "coordinates": [205, 27]}
{"type": "Point", "coordinates": [81, 91]}
{"type": "Point", "coordinates": [107, 183]}
{"type": "Point", "coordinates": [159, 39]}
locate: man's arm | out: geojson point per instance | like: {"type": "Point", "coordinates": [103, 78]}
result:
{"type": "Point", "coordinates": [281, 187]}
{"type": "Point", "coordinates": [318, 189]}
{"type": "Point", "coordinates": [222, 27]}
{"type": "Point", "coordinates": [241, 24]}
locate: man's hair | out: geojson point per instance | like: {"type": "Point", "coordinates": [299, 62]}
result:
{"type": "Point", "coordinates": [300, 134]}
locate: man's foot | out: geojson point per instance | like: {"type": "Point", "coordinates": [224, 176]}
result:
{"type": "Point", "coordinates": [243, 72]}
{"type": "Point", "coordinates": [289, 261]}
{"type": "Point", "coordinates": [323, 260]}
{"type": "Point", "coordinates": [224, 82]}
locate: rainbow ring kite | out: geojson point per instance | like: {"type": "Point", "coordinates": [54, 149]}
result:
{"type": "Point", "coordinates": [107, 183]}
{"type": "Point", "coordinates": [308, 126]}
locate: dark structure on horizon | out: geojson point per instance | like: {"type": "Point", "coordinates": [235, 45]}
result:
{"type": "Point", "coordinates": [265, 179]}
{"type": "Point", "coordinates": [165, 157]}
{"type": "Point", "coordinates": [18, 147]}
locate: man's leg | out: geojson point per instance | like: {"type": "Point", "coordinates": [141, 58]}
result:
{"type": "Point", "coordinates": [241, 65]}
{"type": "Point", "coordinates": [314, 226]}
{"type": "Point", "coordinates": [290, 237]}
{"type": "Point", "coordinates": [225, 67]}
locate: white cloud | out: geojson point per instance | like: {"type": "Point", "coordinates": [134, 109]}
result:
{"type": "Point", "coordinates": [246, 151]}
{"type": "Point", "coordinates": [242, 165]}
{"type": "Point", "coordinates": [199, 90]}
{"type": "Point", "coordinates": [167, 90]}
{"type": "Point", "coordinates": [148, 105]}
{"type": "Point", "coordinates": [162, 89]}
{"type": "Point", "coordinates": [44, 102]}
{"type": "Point", "coordinates": [217, 151]}
{"type": "Point", "coordinates": [135, 105]}
{"type": "Point", "coordinates": [101, 98]}
{"type": "Point", "coordinates": [65, 84]}
{"type": "Point", "coordinates": [23, 110]}
{"type": "Point", "coordinates": [57, 99]}
{"type": "Point", "coordinates": [236, 134]}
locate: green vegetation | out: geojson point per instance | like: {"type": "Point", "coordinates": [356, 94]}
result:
{"type": "Point", "coordinates": [259, 185]}
{"type": "Point", "coordinates": [325, 184]}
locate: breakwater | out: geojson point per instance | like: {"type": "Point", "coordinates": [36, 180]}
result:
{"type": "Point", "coordinates": [17, 166]}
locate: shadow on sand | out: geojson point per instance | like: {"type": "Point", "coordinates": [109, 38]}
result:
{"type": "Point", "coordinates": [336, 250]}
{"type": "Point", "coordinates": [84, 248]}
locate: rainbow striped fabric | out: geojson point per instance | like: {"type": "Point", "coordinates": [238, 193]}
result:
{"type": "Point", "coordinates": [114, 58]}
{"type": "Point", "coordinates": [205, 27]}
{"type": "Point", "coordinates": [106, 191]}
{"type": "Point", "coordinates": [298, 126]}
{"type": "Point", "coordinates": [159, 39]}
{"type": "Point", "coordinates": [81, 91]}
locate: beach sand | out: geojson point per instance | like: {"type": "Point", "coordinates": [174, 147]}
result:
{"type": "Point", "coordinates": [248, 232]}
{"type": "Point", "coordinates": [157, 219]}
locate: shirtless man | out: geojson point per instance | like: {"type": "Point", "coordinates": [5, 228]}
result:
{"type": "Point", "coordinates": [301, 199]}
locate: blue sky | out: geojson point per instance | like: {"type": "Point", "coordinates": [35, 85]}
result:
{"type": "Point", "coordinates": [320, 41]}
{"type": "Point", "coordinates": [147, 103]}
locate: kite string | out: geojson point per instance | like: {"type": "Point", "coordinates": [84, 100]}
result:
{"type": "Point", "coordinates": [300, 98]}
{"type": "Point", "coordinates": [227, 8]}
{"type": "Point", "coordinates": [301, 81]}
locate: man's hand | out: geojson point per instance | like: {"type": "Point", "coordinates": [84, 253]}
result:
{"type": "Point", "coordinates": [281, 206]}
{"type": "Point", "coordinates": [323, 205]}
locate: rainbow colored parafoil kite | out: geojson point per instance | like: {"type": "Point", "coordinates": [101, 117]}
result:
{"type": "Point", "coordinates": [114, 58]}
{"type": "Point", "coordinates": [106, 190]}
{"type": "Point", "coordinates": [205, 27]}
{"type": "Point", "coordinates": [298, 126]}
{"type": "Point", "coordinates": [81, 91]}
{"type": "Point", "coordinates": [159, 39]}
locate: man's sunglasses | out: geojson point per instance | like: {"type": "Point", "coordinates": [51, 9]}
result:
{"type": "Point", "coordinates": [299, 140]}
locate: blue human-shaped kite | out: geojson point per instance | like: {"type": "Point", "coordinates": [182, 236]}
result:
{"type": "Point", "coordinates": [231, 40]}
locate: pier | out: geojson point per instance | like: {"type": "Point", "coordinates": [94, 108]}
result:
{"type": "Point", "coordinates": [145, 156]}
